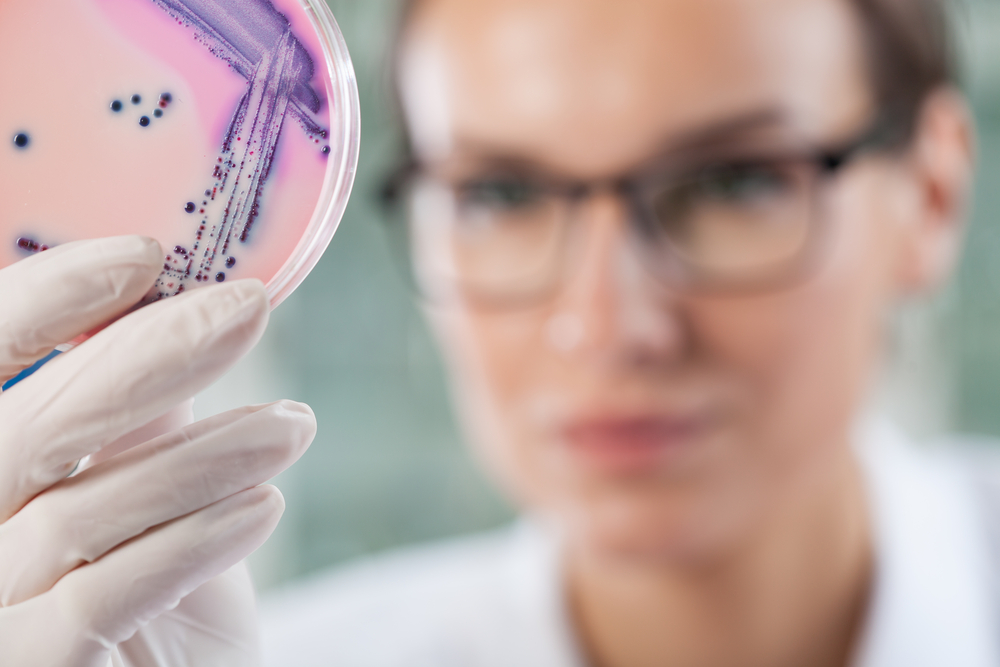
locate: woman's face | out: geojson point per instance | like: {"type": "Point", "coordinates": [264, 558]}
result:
{"type": "Point", "coordinates": [645, 419]}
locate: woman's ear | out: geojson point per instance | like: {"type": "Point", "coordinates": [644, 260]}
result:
{"type": "Point", "coordinates": [941, 165]}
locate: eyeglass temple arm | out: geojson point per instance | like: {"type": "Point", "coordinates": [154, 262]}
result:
{"type": "Point", "coordinates": [391, 189]}
{"type": "Point", "coordinates": [884, 132]}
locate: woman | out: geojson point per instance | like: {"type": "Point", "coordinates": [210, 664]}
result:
{"type": "Point", "coordinates": [658, 243]}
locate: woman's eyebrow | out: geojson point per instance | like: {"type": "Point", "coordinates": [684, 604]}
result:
{"type": "Point", "coordinates": [716, 133]}
{"type": "Point", "coordinates": [723, 130]}
{"type": "Point", "coordinates": [484, 154]}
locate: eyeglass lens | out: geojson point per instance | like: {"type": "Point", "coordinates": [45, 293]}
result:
{"type": "Point", "coordinates": [498, 236]}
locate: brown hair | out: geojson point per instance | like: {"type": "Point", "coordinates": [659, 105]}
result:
{"type": "Point", "coordinates": [910, 54]}
{"type": "Point", "coordinates": [908, 47]}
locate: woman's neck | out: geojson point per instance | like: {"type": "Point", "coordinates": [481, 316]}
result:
{"type": "Point", "coordinates": [794, 593]}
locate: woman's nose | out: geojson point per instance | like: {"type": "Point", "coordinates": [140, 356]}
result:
{"type": "Point", "coordinates": [609, 306]}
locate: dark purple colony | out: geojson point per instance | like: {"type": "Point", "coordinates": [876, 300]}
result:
{"type": "Point", "coordinates": [31, 245]}
{"type": "Point", "coordinates": [145, 120]}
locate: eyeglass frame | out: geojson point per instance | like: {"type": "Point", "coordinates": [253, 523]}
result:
{"type": "Point", "coordinates": [881, 135]}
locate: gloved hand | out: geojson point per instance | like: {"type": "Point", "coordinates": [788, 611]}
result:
{"type": "Point", "coordinates": [130, 562]}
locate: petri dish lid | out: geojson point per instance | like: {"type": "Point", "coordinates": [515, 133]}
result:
{"type": "Point", "coordinates": [344, 142]}
{"type": "Point", "coordinates": [228, 130]}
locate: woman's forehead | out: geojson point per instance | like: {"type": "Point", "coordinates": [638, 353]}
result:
{"type": "Point", "coordinates": [602, 80]}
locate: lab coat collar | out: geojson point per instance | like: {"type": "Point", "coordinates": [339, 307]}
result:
{"type": "Point", "coordinates": [535, 579]}
{"type": "Point", "coordinates": [931, 603]}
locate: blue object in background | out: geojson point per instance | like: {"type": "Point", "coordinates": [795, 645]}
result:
{"type": "Point", "coordinates": [30, 370]}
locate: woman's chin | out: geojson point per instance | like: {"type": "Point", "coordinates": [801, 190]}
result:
{"type": "Point", "coordinates": [681, 531]}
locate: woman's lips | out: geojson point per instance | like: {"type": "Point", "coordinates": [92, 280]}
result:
{"type": "Point", "coordinates": [633, 444]}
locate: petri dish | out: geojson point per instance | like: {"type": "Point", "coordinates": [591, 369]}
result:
{"type": "Point", "coordinates": [226, 129]}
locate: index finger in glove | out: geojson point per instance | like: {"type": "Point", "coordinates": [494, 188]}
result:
{"type": "Point", "coordinates": [53, 297]}
{"type": "Point", "coordinates": [100, 605]}
{"type": "Point", "coordinates": [124, 377]}
{"type": "Point", "coordinates": [80, 519]}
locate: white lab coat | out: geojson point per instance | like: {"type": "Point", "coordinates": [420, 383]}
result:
{"type": "Point", "coordinates": [495, 600]}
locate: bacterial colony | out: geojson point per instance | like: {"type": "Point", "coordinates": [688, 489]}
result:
{"type": "Point", "coordinates": [257, 42]}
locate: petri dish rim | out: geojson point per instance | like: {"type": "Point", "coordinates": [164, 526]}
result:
{"type": "Point", "coordinates": [345, 143]}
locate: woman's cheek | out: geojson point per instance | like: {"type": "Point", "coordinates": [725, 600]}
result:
{"type": "Point", "coordinates": [509, 353]}
{"type": "Point", "coordinates": [807, 353]}
{"type": "Point", "coordinates": [496, 361]}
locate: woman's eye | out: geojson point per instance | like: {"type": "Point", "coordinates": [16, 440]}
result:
{"type": "Point", "coordinates": [499, 194]}
{"type": "Point", "coordinates": [739, 184]}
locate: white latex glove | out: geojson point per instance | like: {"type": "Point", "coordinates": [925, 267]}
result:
{"type": "Point", "coordinates": [131, 562]}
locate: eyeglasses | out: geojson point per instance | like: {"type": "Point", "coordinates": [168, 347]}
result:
{"type": "Point", "coordinates": [739, 223]}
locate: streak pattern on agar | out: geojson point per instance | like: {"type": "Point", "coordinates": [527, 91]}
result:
{"type": "Point", "coordinates": [258, 43]}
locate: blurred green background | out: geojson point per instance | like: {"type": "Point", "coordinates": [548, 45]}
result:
{"type": "Point", "coordinates": [388, 466]}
